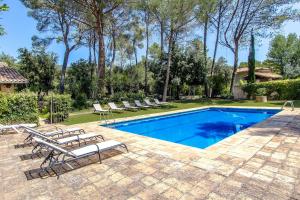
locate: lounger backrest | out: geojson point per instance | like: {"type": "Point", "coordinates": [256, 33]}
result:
{"type": "Point", "coordinates": [112, 105]}
{"type": "Point", "coordinates": [53, 146]}
{"type": "Point", "coordinates": [137, 102]}
{"type": "Point", "coordinates": [126, 103]}
{"type": "Point", "coordinates": [39, 134]}
{"type": "Point", "coordinates": [156, 101]}
{"type": "Point", "coordinates": [147, 101]}
{"type": "Point", "coordinates": [97, 106]}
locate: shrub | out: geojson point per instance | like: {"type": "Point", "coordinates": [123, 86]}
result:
{"type": "Point", "coordinates": [80, 101]}
{"type": "Point", "coordinates": [122, 96]}
{"type": "Point", "coordinates": [284, 89]}
{"type": "Point", "coordinates": [18, 108]}
{"type": "Point", "coordinates": [61, 106]}
{"type": "Point", "coordinates": [261, 92]}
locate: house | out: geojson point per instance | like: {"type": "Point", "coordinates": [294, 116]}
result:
{"type": "Point", "coordinates": [261, 75]}
{"type": "Point", "coordinates": [9, 78]}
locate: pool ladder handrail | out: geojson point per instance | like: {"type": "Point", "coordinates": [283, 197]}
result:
{"type": "Point", "coordinates": [288, 102]}
{"type": "Point", "coordinates": [111, 114]}
{"type": "Point", "coordinates": [104, 116]}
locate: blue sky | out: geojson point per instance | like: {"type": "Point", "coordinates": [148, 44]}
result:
{"type": "Point", "coordinates": [20, 28]}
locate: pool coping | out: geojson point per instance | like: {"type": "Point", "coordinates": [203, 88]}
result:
{"type": "Point", "coordinates": [138, 117]}
{"type": "Point", "coordinates": [185, 111]}
{"type": "Point", "coordinates": [213, 150]}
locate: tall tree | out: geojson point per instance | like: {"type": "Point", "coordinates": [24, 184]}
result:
{"type": "Point", "coordinates": [216, 21]}
{"type": "Point", "coordinates": [180, 15]}
{"type": "Point", "coordinates": [144, 8]}
{"type": "Point", "coordinates": [283, 55]}
{"type": "Point", "coordinates": [244, 15]}
{"type": "Point", "coordinates": [51, 17]}
{"type": "Point", "coordinates": [251, 61]}
{"type": "Point", "coordinates": [3, 7]}
{"type": "Point", "coordinates": [94, 14]}
{"type": "Point", "coordinates": [205, 12]}
{"type": "Point", "coordinates": [158, 10]}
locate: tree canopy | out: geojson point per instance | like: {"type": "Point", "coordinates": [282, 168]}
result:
{"type": "Point", "coordinates": [153, 47]}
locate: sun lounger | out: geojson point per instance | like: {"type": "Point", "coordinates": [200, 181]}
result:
{"type": "Point", "coordinates": [114, 107]}
{"type": "Point", "coordinates": [148, 103]}
{"type": "Point", "coordinates": [63, 141]}
{"type": "Point", "coordinates": [15, 127]}
{"type": "Point", "coordinates": [58, 131]}
{"type": "Point", "coordinates": [140, 105]}
{"type": "Point", "coordinates": [128, 106]}
{"type": "Point", "coordinates": [160, 102]}
{"type": "Point", "coordinates": [59, 155]}
{"type": "Point", "coordinates": [99, 109]}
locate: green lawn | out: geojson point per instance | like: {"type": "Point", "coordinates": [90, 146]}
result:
{"type": "Point", "coordinates": [78, 117]}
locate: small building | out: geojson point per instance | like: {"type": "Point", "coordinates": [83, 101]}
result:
{"type": "Point", "coordinates": [9, 78]}
{"type": "Point", "coordinates": [261, 75]}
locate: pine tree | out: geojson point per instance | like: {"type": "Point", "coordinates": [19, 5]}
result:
{"type": "Point", "coordinates": [251, 61]}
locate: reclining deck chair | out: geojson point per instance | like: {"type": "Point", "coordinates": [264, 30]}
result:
{"type": "Point", "coordinates": [58, 155]}
{"type": "Point", "coordinates": [61, 141]}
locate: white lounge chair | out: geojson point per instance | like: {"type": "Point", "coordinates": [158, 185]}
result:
{"type": "Point", "coordinates": [160, 102]}
{"type": "Point", "coordinates": [114, 107]}
{"type": "Point", "coordinates": [58, 131]}
{"type": "Point", "coordinates": [140, 105]}
{"type": "Point", "coordinates": [63, 141]}
{"type": "Point", "coordinates": [128, 106]}
{"type": "Point", "coordinates": [15, 127]}
{"type": "Point", "coordinates": [148, 103]}
{"type": "Point", "coordinates": [99, 109]}
{"type": "Point", "coordinates": [59, 155]}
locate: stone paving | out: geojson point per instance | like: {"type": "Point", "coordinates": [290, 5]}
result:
{"type": "Point", "coordinates": [261, 162]}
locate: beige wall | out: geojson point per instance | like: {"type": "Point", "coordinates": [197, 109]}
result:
{"type": "Point", "coordinates": [6, 87]}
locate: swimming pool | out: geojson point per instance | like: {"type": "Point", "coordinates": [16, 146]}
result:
{"type": "Point", "coordinates": [199, 128]}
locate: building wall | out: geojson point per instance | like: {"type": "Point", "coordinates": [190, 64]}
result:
{"type": "Point", "coordinates": [7, 87]}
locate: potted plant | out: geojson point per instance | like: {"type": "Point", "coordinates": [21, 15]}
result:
{"type": "Point", "coordinates": [261, 95]}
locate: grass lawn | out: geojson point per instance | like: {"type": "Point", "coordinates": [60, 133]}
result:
{"type": "Point", "coordinates": [83, 117]}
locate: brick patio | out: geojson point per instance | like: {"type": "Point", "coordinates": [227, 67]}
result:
{"type": "Point", "coordinates": [261, 162]}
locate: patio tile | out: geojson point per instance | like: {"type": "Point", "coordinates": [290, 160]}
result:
{"type": "Point", "coordinates": [172, 193]}
{"type": "Point", "coordinates": [261, 162]}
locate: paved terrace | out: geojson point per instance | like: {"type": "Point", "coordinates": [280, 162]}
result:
{"type": "Point", "coordinates": [262, 162]}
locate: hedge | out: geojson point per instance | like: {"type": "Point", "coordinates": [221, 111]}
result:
{"type": "Point", "coordinates": [279, 90]}
{"type": "Point", "coordinates": [122, 96]}
{"type": "Point", "coordinates": [18, 108]}
{"type": "Point", "coordinates": [61, 107]}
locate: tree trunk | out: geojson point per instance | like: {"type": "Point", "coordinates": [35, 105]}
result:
{"type": "Point", "coordinates": [135, 54]}
{"type": "Point", "coordinates": [101, 57]}
{"type": "Point", "coordinates": [147, 50]}
{"type": "Point", "coordinates": [90, 48]}
{"type": "Point", "coordinates": [235, 65]}
{"type": "Point", "coordinates": [101, 52]}
{"type": "Point", "coordinates": [177, 92]}
{"type": "Point", "coordinates": [161, 42]}
{"type": "Point", "coordinates": [168, 66]}
{"type": "Point", "coordinates": [205, 53]}
{"type": "Point", "coordinates": [216, 46]}
{"type": "Point", "coordinates": [63, 71]}
{"type": "Point", "coordinates": [94, 49]}
{"type": "Point", "coordinates": [112, 63]}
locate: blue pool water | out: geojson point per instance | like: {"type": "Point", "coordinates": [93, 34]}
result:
{"type": "Point", "coordinates": [200, 128]}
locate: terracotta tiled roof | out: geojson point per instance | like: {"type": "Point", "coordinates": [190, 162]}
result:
{"type": "Point", "coordinates": [268, 75]}
{"type": "Point", "coordinates": [260, 72]}
{"type": "Point", "coordinates": [10, 75]}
